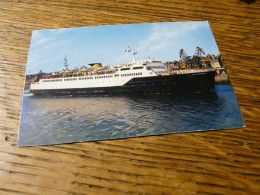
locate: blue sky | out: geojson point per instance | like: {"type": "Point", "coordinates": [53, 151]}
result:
{"type": "Point", "coordinates": [107, 44]}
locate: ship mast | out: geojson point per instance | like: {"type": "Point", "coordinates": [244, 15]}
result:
{"type": "Point", "coordinates": [133, 53]}
{"type": "Point", "coordinates": [66, 63]}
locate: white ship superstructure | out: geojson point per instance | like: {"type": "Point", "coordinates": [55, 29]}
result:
{"type": "Point", "coordinates": [114, 76]}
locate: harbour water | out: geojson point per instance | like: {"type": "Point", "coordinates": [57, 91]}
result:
{"type": "Point", "coordinates": [55, 120]}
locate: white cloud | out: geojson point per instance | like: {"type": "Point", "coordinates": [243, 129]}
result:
{"type": "Point", "coordinates": [42, 41]}
{"type": "Point", "coordinates": [160, 39]}
{"type": "Point", "coordinates": [163, 36]}
{"type": "Point", "coordinates": [40, 37]}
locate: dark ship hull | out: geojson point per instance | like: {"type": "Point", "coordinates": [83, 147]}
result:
{"type": "Point", "coordinates": [202, 82]}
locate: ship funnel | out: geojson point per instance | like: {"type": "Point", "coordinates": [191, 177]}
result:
{"type": "Point", "coordinates": [95, 65]}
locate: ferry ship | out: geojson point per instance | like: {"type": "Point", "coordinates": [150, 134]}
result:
{"type": "Point", "coordinates": [137, 77]}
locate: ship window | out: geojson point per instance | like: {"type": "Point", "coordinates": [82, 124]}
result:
{"type": "Point", "coordinates": [70, 79]}
{"type": "Point", "coordinates": [122, 69]}
{"type": "Point", "coordinates": [138, 68]}
{"type": "Point", "coordinates": [53, 80]}
{"type": "Point", "coordinates": [84, 78]}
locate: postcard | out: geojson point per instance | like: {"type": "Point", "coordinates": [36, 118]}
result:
{"type": "Point", "coordinates": [121, 81]}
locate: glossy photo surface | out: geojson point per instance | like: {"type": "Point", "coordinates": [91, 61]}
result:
{"type": "Point", "coordinates": [122, 81]}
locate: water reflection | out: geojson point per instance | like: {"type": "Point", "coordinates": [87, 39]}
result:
{"type": "Point", "coordinates": [52, 120]}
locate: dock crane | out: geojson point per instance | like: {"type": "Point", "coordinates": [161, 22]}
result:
{"type": "Point", "coordinates": [185, 61]}
{"type": "Point", "coordinates": [199, 51]}
{"type": "Point", "coordinates": [196, 60]}
{"type": "Point", "coordinates": [183, 55]}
